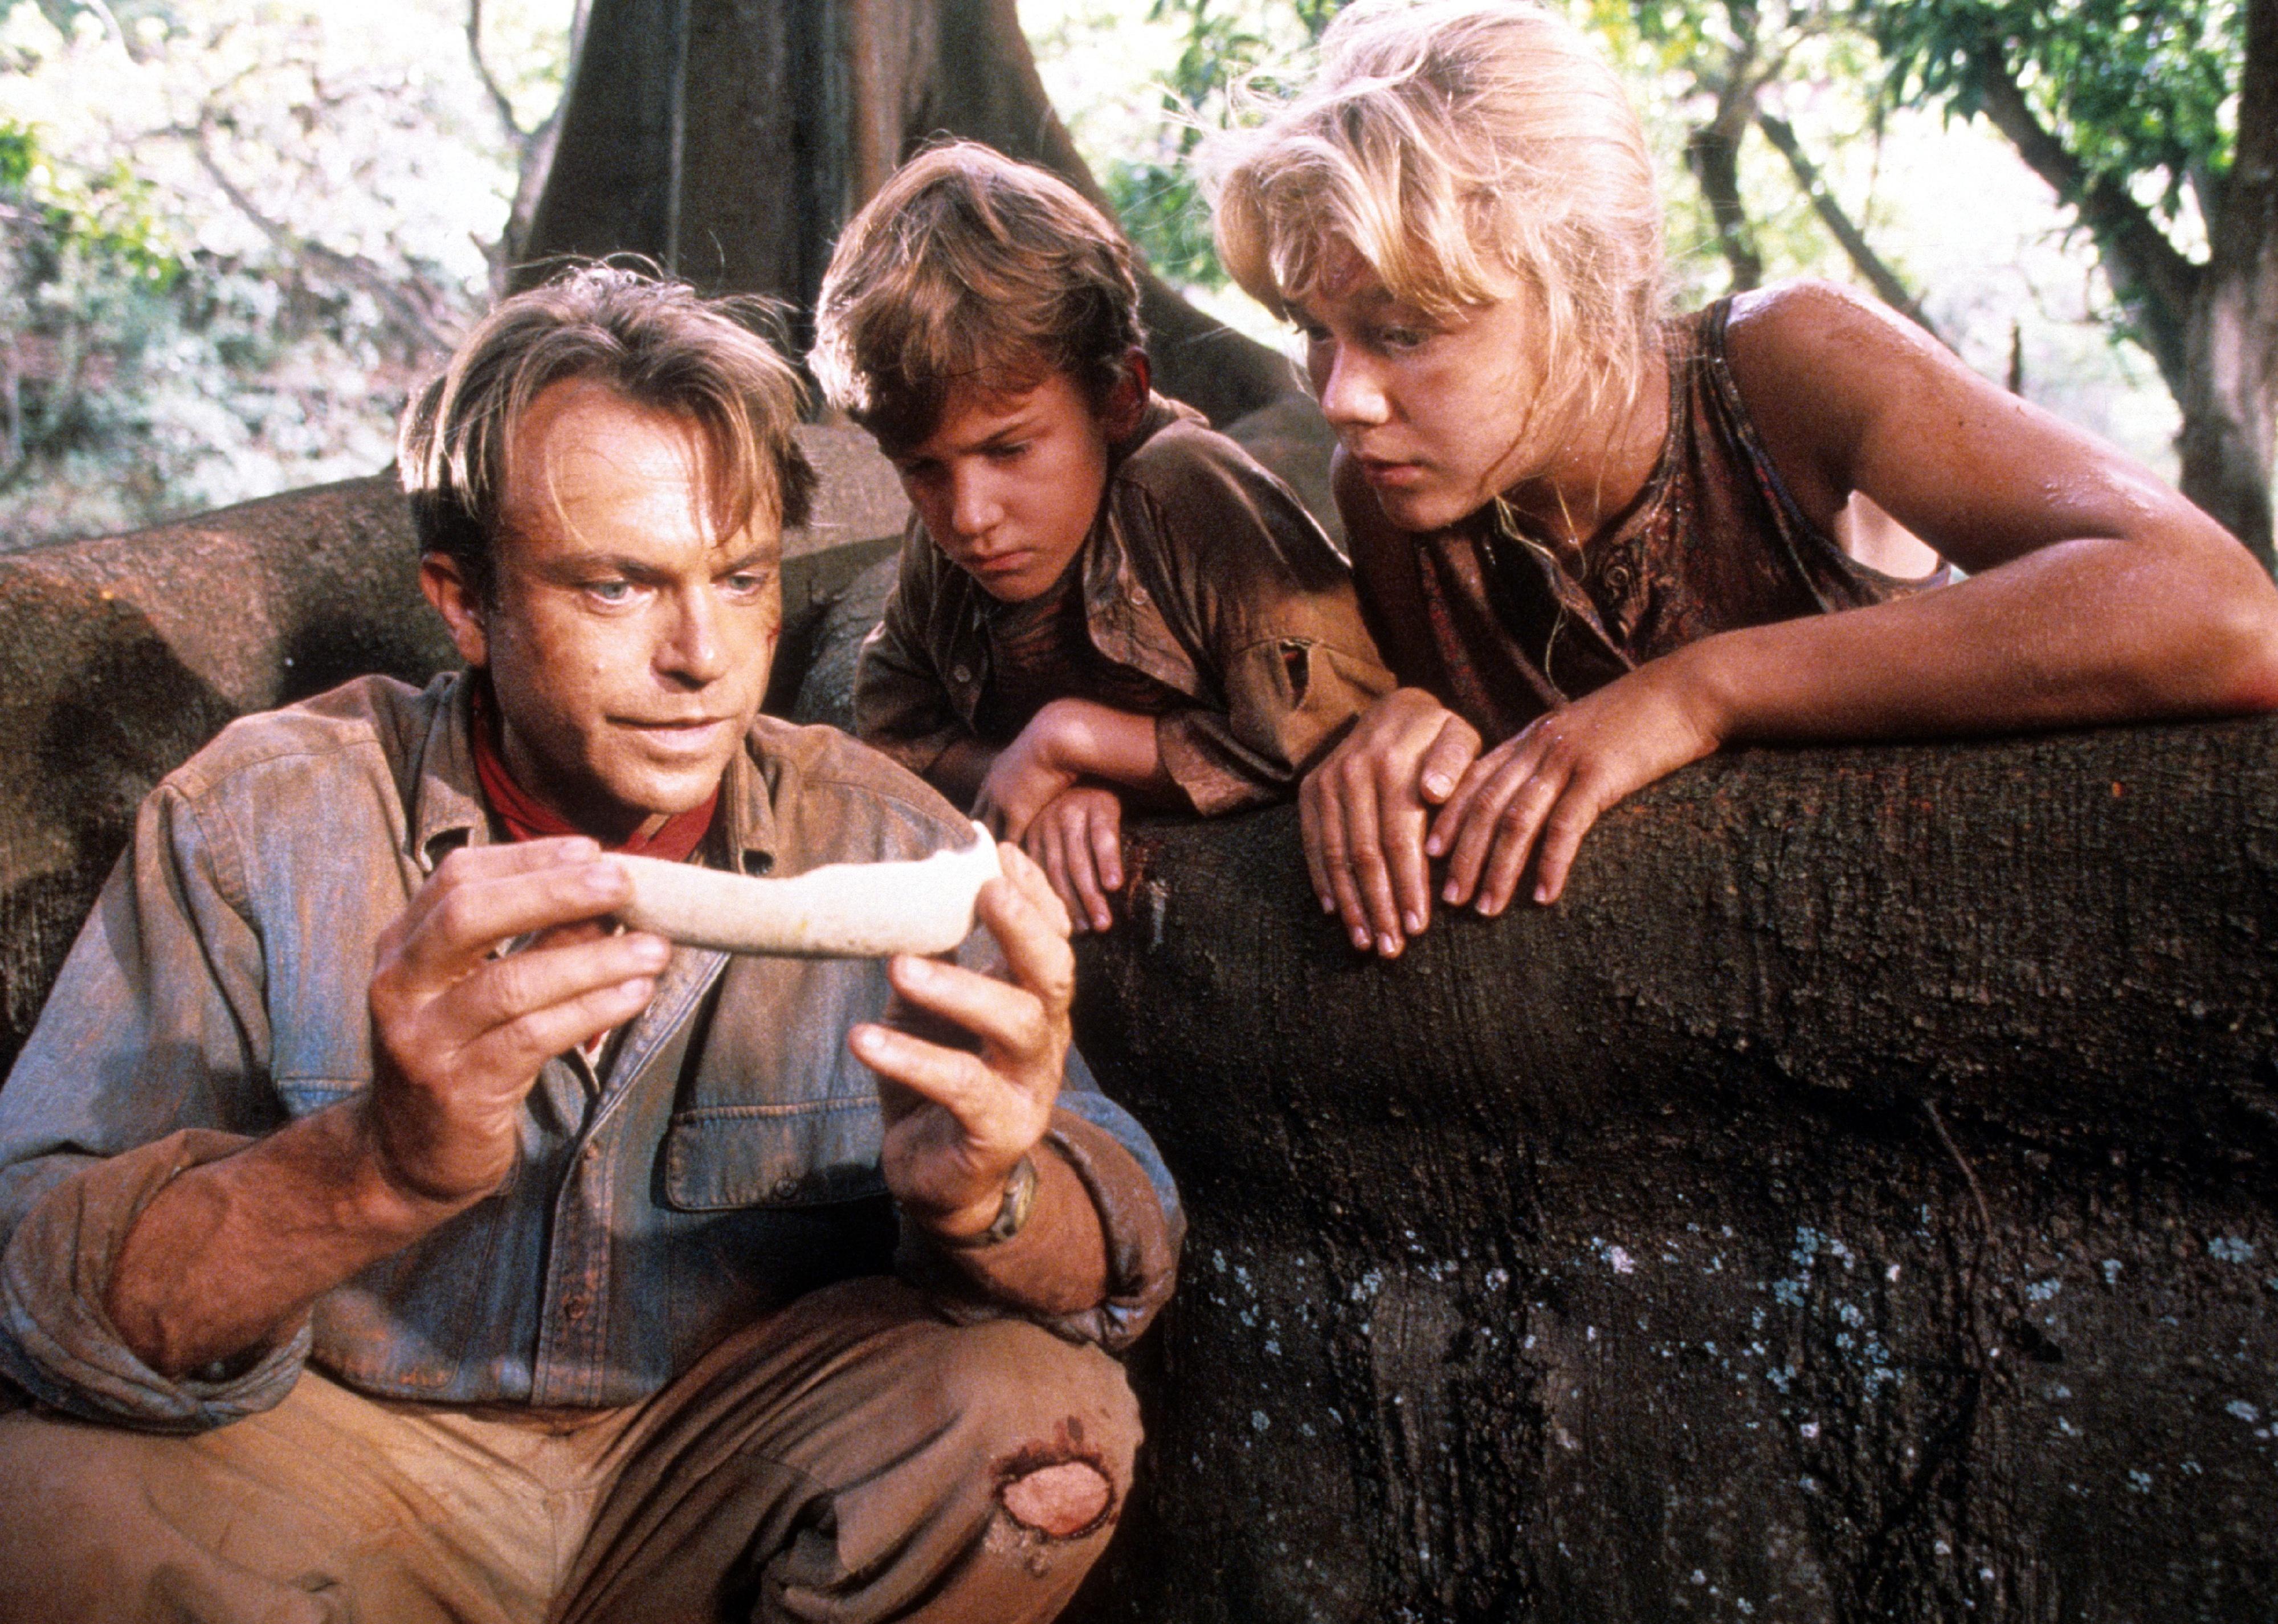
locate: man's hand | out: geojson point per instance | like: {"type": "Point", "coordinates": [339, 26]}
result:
{"type": "Point", "coordinates": [1552, 778]}
{"type": "Point", "coordinates": [460, 1034]}
{"type": "Point", "coordinates": [1364, 808]}
{"type": "Point", "coordinates": [1078, 840]}
{"type": "Point", "coordinates": [957, 1123]}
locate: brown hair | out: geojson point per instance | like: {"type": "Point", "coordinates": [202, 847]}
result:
{"type": "Point", "coordinates": [1468, 151]}
{"type": "Point", "coordinates": [657, 343]}
{"type": "Point", "coordinates": [967, 267]}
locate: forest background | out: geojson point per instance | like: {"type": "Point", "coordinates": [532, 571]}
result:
{"type": "Point", "coordinates": [233, 231]}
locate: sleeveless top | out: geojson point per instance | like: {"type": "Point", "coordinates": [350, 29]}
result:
{"type": "Point", "coordinates": [1503, 624]}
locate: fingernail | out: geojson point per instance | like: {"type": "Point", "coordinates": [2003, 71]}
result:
{"type": "Point", "coordinates": [1435, 785]}
{"type": "Point", "coordinates": [1360, 939]}
{"type": "Point", "coordinates": [654, 952]}
{"type": "Point", "coordinates": [923, 972]}
{"type": "Point", "coordinates": [1387, 944]}
{"type": "Point", "coordinates": [1432, 846]}
{"type": "Point", "coordinates": [1451, 893]}
{"type": "Point", "coordinates": [1542, 894]}
{"type": "Point", "coordinates": [1489, 908]}
{"type": "Point", "coordinates": [1414, 922]}
{"type": "Point", "coordinates": [603, 878]}
{"type": "Point", "coordinates": [1329, 904]}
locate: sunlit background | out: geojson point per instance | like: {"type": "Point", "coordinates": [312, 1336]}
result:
{"type": "Point", "coordinates": [236, 230]}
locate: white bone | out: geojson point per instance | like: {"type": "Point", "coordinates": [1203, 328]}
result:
{"type": "Point", "coordinates": [847, 910]}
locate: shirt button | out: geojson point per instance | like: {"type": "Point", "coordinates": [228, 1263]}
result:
{"type": "Point", "coordinates": [575, 1306]}
{"type": "Point", "coordinates": [786, 1187]}
{"type": "Point", "coordinates": [963, 673]}
{"type": "Point", "coordinates": [1139, 594]}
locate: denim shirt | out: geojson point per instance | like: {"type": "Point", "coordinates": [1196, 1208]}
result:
{"type": "Point", "coordinates": [723, 1161]}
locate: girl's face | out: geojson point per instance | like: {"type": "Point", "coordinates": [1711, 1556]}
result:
{"type": "Point", "coordinates": [1438, 413]}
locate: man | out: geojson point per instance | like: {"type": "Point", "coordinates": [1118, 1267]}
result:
{"type": "Point", "coordinates": [389, 1237]}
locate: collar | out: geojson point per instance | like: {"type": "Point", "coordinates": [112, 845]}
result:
{"type": "Point", "coordinates": [447, 810]}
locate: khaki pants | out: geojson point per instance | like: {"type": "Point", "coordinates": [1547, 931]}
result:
{"type": "Point", "coordinates": [852, 1458]}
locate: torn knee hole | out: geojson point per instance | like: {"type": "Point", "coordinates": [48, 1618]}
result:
{"type": "Point", "coordinates": [1060, 1500]}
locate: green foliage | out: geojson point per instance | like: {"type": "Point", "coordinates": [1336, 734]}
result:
{"type": "Point", "coordinates": [1224, 47]}
{"type": "Point", "coordinates": [2143, 91]}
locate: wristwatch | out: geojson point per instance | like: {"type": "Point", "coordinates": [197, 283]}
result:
{"type": "Point", "coordinates": [1012, 1213]}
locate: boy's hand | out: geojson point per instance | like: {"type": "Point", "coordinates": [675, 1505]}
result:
{"type": "Point", "coordinates": [1078, 840]}
{"type": "Point", "coordinates": [1551, 780]}
{"type": "Point", "coordinates": [1365, 809]}
{"type": "Point", "coordinates": [1028, 774]}
{"type": "Point", "coordinates": [957, 1122]}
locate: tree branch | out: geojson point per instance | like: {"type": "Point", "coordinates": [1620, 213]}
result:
{"type": "Point", "coordinates": [2154, 283]}
{"type": "Point", "coordinates": [501, 103]}
{"type": "Point", "coordinates": [412, 324]}
{"type": "Point", "coordinates": [1887, 284]}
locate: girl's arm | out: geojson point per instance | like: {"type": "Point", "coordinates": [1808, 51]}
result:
{"type": "Point", "coordinates": [2096, 594]}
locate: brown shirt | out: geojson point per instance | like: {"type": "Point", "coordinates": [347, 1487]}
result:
{"type": "Point", "coordinates": [1204, 596]}
{"type": "Point", "coordinates": [1503, 624]}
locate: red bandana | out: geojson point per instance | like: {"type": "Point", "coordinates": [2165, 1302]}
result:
{"type": "Point", "coordinates": [528, 818]}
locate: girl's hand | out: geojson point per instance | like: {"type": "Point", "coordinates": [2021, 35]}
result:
{"type": "Point", "coordinates": [1026, 776]}
{"type": "Point", "coordinates": [1078, 841]}
{"type": "Point", "coordinates": [1363, 811]}
{"type": "Point", "coordinates": [1550, 782]}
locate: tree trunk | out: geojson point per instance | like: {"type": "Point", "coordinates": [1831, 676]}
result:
{"type": "Point", "coordinates": [2211, 329]}
{"type": "Point", "coordinates": [1857, 1199]}
{"type": "Point", "coordinates": [729, 140]}
{"type": "Point", "coordinates": [2231, 363]}
{"type": "Point", "coordinates": [1713, 154]}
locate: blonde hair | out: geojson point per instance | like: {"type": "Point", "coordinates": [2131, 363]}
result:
{"type": "Point", "coordinates": [657, 343]}
{"type": "Point", "coordinates": [968, 267]}
{"type": "Point", "coordinates": [1467, 151]}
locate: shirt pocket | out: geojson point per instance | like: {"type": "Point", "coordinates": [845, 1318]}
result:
{"type": "Point", "coordinates": [720, 1157]}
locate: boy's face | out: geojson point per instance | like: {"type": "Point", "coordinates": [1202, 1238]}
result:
{"type": "Point", "coordinates": [1007, 484]}
{"type": "Point", "coordinates": [1439, 415]}
{"type": "Point", "coordinates": [628, 641]}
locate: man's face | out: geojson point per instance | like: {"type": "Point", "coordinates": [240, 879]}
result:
{"type": "Point", "coordinates": [628, 643]}
{"type": "Point", "coordinates": [1007, 484]}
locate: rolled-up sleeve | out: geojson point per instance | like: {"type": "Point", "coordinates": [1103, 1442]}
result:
{"type": "Point", "coordinates": [146, 1060]}
{"type": "Point", "coordinates": [1141, 1229]}
{"type": "Point", "coordinates": [1262, 596]}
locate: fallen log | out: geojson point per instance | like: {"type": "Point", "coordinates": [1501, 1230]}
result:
{"type": "Point", "coordinates": [1854, 1200]}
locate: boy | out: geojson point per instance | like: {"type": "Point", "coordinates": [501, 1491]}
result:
{"type": "Point", "coordinates": [1099, 597]}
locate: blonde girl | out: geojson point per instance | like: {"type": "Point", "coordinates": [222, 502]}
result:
{"type": "Point", "coordinates": [1596, 543]}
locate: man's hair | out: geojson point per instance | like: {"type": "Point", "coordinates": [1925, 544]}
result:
{"type": "Point", "coordinates": [1468, 151]}
{"type": "Point", "coordinates": [655, 343]}
{"type": "Point", "coordinates": [968, 268]}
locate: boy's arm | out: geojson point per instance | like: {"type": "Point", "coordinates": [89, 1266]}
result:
{"type": "Point", "coordinates": [1068, 741]}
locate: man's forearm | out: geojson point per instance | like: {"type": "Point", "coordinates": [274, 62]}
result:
{"type": "Point", "coordinates": [1057, 1262]}
{"type": "Point", "coordinates": [232, 1253]}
